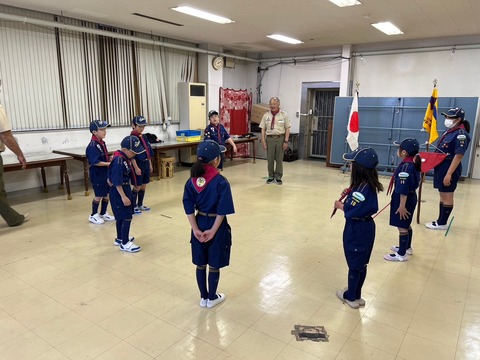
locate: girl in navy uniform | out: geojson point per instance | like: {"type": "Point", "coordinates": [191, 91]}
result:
{"type": "Point", "coordinates": [98, 161]}
{"type": "Point", "coordinates": [217, 132]}
{"type": "Point", "coordinates": [454, 142]}
{"type": "Point", "coordinates": [142, 163]}
{"type": "Point", "coordinates": [405, 181]}
{"type": "Point", "coordinates": [359, 232]}
{"type": "Point", "coordinates": [120, 172]}
{"type": "Point", "coordinates": [207, 199]}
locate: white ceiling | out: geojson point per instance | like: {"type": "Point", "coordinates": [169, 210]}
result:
{"type": "Point", "coordinates": [319, 23]}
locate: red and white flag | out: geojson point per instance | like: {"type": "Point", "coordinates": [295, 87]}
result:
{"type": "Point", "coordinates": [353, 126]}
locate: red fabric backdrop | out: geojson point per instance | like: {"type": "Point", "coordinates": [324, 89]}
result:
{"type": "Point", "coordinates": [235, 107]}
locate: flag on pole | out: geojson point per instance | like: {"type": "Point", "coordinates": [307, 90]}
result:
{"type": "Point", "coordinates": [353, 126]}
{"type": "Point", "coordinates": [430, 120]}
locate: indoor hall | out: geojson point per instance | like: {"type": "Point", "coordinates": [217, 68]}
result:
{"type": "Point", "coordinates": [68, 293]}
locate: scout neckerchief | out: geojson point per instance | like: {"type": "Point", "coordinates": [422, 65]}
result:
{"type": "Point", "coordinates": [119, 153]}
{"type": "Point", "coordinates": [213, 128]}
{"type": "Point", "coordinates": [102, 144]}
{"type": "Point", "coordinates": [144, 143]}
{"type": "Point", "coordinates": [272, 126]}
{"type": "Point", "coordinates": [201, 182]}
{"type": "Point", "coordinates": [408, 159]}
{"type": "Point", "coordinates": [448, 132]}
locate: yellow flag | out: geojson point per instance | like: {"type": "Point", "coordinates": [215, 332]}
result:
{"type": "Point", "coordinates": [430, 120]}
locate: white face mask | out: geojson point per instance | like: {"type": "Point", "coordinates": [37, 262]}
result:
{"type": "Point", "coordinates": [449, 123]}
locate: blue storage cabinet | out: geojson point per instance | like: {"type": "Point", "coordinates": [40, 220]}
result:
{"type": "Point", "coordinates": [384, 120]}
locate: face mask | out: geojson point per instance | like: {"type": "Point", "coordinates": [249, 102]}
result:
{"type": "Point", "coordinates": [448, 123]}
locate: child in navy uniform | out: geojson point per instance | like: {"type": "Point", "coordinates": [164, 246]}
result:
{"type": "Point", "coordinates": [207, 199]}
{"type": "Point", "coordinates": [454, 142]}
{"type": "Point", "coordinates": [98, 160]}
{"type": "Point", "coordinates": [359, 232]}
{"type": "Point", "coordinates": [142, 163]}
{"type": "Point", "coordinates": [120, 172]}
{"type": "Point", "coordinates": [217, 132]}
{"type": "Point", "coordinates": [405, 181]}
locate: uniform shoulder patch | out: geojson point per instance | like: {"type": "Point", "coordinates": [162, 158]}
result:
{"type": "Point", "coordinates": [403, 175]}
{"type": "Point", "coordinates": [358, 196]}
{"type": "Point", "coordinates": [461, 137]}
{"type": "Point", "coordinates": [201, 182]}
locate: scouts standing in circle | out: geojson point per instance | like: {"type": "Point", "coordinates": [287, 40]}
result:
{"type": "Point", "coordinates": [454, 142]}
{"type": "Point", "coordinates": [359, 232]}
{"type": "Point", "coordinates": [275, 127]}
{"type": "Point", "coordinates": [207, 200]}
{"type": "Point", "coordinates": [98, 161]}
{"type": "Point", "coordinates": [217, 132]}
{"type": "Point", "coordinates": [405, 181]}
{"type": "Point", "coordinates": [120, 172]}
{"type": "Point", "coordinates": [142, 164]}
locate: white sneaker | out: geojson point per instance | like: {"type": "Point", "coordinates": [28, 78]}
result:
{"type": "Point", "coordinates": [108, 217]}
{"type": "Point", "coordinates": [435, 226]}
{"type": "Point", "coordinates": [203, 302]}
{"type": "Point", "coordinates": [220, 298]}
{"type": "Point", "coordinates": [118, 242]}
{"type": "Point", "coordinates": [96, 219]}
{"type": "Point", "coordinates": [130, 247]}
{"type": "Point", "coordinates": [144, 208]}
{"type": "Point", "coordinates": [395, 257]}
{"type": "Point", "coordinates": [396, 248]}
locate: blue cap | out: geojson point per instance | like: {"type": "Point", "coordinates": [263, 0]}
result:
{"type": "Point", "coordinates": [410, 145]}
{"type": "Point", "coordinates": [208, 150]}
{"type": "Point", "coordinates": [212, 113]}
{"type": "Point", "coordinates": [98, 124]}
{"type": "Point", "coordinates": [367, 157]}
{"type": "Point", "coordinates": [139, 120]}
{"type": "Point", "coordinates": [132, 143]}
{"type": "Point", "coordinates": [455, 113]}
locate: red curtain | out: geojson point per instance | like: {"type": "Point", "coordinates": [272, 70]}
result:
{"type": "Point", "coordinates": [235, 107]}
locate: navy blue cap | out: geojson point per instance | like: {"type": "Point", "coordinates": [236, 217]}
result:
{"type": "Point", "coordinates": [410, 145]}
{"type": "Point", "coordinates": [132, 143]}
{"type": "Point", "coordinates": [140, 121]}
{"type": "Point", "coordinates": [366, 157]}
{"type": "Point", "coordinates": [455, 113]}
{"type": "Point", "coordinates": [98, 124]}
{"type": "Point", "coordinates": [208, 150]}
{"type": "Point", "coordinates": [212, 113]}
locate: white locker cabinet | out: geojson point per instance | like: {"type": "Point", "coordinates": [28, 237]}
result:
{"type": "Point", "coordinates": [193, 105]}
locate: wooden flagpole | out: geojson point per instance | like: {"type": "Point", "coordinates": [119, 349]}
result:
{"type": "Point", "coordinates": [422, 179]}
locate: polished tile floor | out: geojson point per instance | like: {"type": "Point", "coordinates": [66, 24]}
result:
{"type": "Point", "coordinates": [66, 292]}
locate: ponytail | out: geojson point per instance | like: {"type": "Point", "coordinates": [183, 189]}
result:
{"type": "Point", "coordinates": [466, 124]}
{"type": "Point", "coordinates": [197, 169]}
{"type": "Point", "coordinates": [417, 161]}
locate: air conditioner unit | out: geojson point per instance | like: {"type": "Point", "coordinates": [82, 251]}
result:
{"type": "Point", "coordinates": [192, 99]}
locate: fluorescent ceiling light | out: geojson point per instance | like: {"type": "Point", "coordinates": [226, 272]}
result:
{"type": "Point", "coordinates": [202, 14]}
{"type": "Point", "coordinates": [343, 3]}
{"type": "Point", "coordinates": [285, 39]}
{"type": "Point", "coordinates": [388, 28]}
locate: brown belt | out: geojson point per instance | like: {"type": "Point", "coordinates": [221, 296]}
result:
{"type": "Point", "coordinates": [206, 214]}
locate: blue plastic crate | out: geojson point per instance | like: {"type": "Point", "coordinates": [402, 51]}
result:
{"type": "Point", "coordinates": [189, 132]}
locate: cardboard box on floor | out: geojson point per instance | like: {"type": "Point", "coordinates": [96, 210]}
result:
{"type": "Point", "coordinates": [258, 110]}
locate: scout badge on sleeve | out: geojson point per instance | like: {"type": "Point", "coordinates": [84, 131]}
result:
{"type": "Point", "coordinates": [462, 139]}
{"type": "Point", "coordinates": [357, 197]}
{"type": "Point", "coordinates": [403, 176]}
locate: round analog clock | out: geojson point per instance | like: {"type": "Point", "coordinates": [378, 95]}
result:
{"type": "Point", "coordinates": [217, 62]}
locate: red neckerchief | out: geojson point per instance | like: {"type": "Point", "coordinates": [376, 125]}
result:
{"type": "Point", "coordinates": [217, 127]}
{"type": "Point", "coordinates": [200, 183]}
{"type": "Point", "coordinates": [119, 153]}
{"type": "Point", "coordinates": [273, 119]}
{"type": "Point", "coordinates": [144, 143]}
{"type": "Point", "coordinates": [408, 159]}
{"type": "Point", "coordinates": [102, 144]}
{"type": "Point", "coordinates": [448, 132]}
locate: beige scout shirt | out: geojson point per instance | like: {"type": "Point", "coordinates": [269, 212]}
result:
{"type": "Point", "coordinates": [281, 124]}
{"type": "Point", "coordinates": [5, 125]}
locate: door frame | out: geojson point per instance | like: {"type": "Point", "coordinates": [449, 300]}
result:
{"type": "Point", "coordinates": [306, 103]}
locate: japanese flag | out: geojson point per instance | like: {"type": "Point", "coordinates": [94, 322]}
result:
{"type": "Point", "coordinates": [353, 126]}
